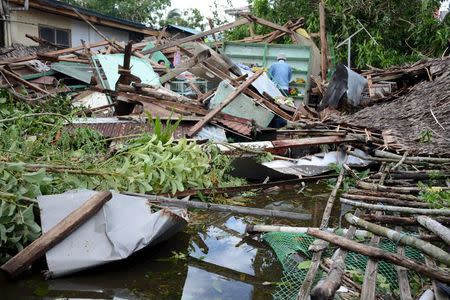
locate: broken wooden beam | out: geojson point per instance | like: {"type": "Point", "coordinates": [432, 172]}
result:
{"type": "Point", "coordinates": [196, 128]}
{"type": "Point", "coordinates": [184, 66]}
{"type": "Point", "coordinates": [60, 231]}
{"type": "Point", "coordinates": [197, 36]}
{"type": "Point", "coordinates": [24, 82]}
{"type": "Point", "coordinates": [377, 253]}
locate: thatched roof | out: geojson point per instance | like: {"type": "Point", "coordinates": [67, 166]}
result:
{"type": "Point", "coordinates": [420, 119]}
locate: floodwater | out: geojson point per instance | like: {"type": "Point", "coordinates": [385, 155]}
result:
{"type": "Point", "coordinates": [210, 259]}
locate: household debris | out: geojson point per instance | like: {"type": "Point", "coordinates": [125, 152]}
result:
{"type": "Point", "coordinates": [146, 125]}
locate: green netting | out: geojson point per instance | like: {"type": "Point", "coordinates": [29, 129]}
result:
{"type": "Point", "coordinates": [292, 248]}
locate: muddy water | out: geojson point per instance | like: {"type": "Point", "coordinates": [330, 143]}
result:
{"type": "Point", "coordinates": [211, 259]}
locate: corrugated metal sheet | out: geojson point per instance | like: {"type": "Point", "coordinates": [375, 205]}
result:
{"type": "Point", "coordinates": [299, 57]}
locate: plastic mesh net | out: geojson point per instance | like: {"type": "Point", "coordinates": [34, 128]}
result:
{"type": "Point", "coordinates": [292, 248]}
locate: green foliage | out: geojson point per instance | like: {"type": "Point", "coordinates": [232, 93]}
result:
{"type": "Point", "coordinates": [17, 228]}
{"type": "Point", "coordinates": [403, 31]}
{"type": "Point", "coordinates": [142, 11]}
{"type": "Point", "coordinates": [163, 133]}
{"type": "Point", "coordinates": [437, 197]}
{"type": "Point", "coordinates": [426, 136]}
{"type": "Point", "coordinates": [348, 182]}
{"type": "Point", "coordinates": [43, 154]}
{"type": "Point", "coordinates": [191, 17]}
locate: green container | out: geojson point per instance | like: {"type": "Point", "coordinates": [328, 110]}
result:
{"type": "Point", "coordinates": [264, 55]}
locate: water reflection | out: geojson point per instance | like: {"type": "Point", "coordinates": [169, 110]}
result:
{"type": "Point", "coordinates": [214, 260]}
{"type": "Point", "coordinates": [201, 284]}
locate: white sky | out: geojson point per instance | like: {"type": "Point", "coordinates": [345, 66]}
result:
{"type": "Point", "coordinates": [204, 5]}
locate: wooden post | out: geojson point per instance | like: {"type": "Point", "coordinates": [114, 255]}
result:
{"type": "Point", "coordinates": [59, 232]}
{"type": "Point", "coordinates": [323, 40]}
{"type": "Point", "coordinates": [196, 128]}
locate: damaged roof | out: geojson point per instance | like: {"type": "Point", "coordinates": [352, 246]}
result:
{"type": "Point", "coordinates": [63, 8]}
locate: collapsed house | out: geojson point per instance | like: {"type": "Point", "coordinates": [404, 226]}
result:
{"type": "Point", "coordinates": [395, 122]}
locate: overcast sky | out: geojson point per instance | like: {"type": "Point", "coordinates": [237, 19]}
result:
{"type": "Point", "coordinates": [204, 5]}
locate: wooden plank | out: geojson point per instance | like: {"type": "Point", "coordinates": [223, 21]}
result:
{"type": "Point", "coordinates": [196, 128]}
{"type": "Point", "coordinates": [323, 40]}
{"type": "Point", "coordinates": [268, 23]}
{"type": "Point", "coordinates": [312, 141]}
{"type": "Point", "coordinates": [59, 232]}
{"type": "Point", "coordinates": [370, 275]}
{"type": "Point", "coordinates": [96, 30]}
{"type": "Point", "coordinates": [197, 36]}
{"type": "Point", "coordinates": [29, 84]}
{"type": "Point", "coordinates": [53, 53]}
{"type": "Point", "coordinates": [199, 57]}
{"type": "Point", "coordinates": [402, 273]}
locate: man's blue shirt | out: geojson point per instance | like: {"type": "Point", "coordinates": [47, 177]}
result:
{"type": "Point", "coordinates": [281, 74]}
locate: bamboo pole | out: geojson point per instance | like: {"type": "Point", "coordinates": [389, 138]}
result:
{"type": "Point", "coordinates": [413, 159]}
{"type": "Point", "coordinates": [435, 227]}
{"type": "Point", "coordinates": [394, 189]}
{"type": "Point", "coordinates": [402, 238]}
{"type": "Point", "coordinates": [407, 210]}
{"type": "Point", "coordinates": [429, 262]}
{"type": "Point", "coordinates": [384, 194]}
{"type": "Point", "coordinates": [377, 253]}
{"type": "Point", "coordinates": [59, 232]}
{"type": "Point", "coordinates": [288, 229]}
{"type": "Point", "coordinates": [399, 220]}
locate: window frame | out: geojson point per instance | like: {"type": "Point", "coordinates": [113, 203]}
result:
{"type": "Point", "coordinates": [69, 34]}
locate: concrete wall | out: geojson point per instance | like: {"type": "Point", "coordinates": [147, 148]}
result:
{"type": "Point", "coordinates": [27, 22]}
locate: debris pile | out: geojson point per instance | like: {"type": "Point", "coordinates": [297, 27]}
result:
{"type": "Point", "coordinates": [165, 118]}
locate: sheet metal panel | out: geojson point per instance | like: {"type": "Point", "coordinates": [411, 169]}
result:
{"type": "Point", "coordinates": [124, 225]}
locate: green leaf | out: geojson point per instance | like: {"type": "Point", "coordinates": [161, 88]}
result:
{"type": "Point", "coordinates": [35, 177]}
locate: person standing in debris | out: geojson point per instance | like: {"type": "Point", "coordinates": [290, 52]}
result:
{"type": "Point", "coordinates": [281, 74]}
